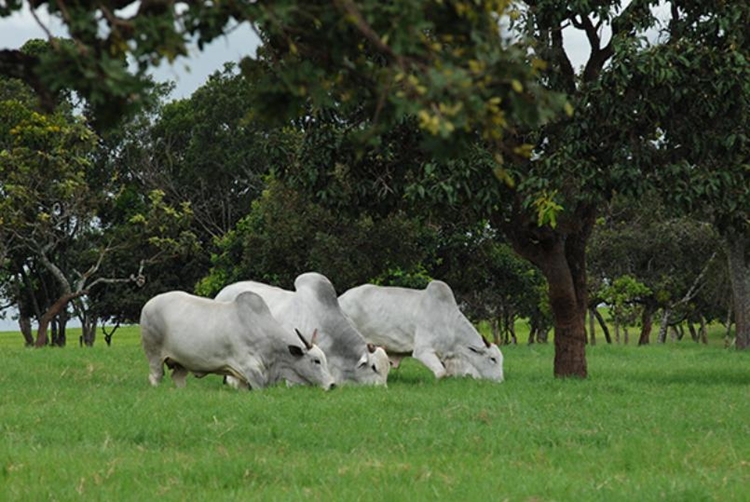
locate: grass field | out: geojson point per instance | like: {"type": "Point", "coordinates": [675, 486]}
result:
{"type": "Point", "coordinates": [668, 422]}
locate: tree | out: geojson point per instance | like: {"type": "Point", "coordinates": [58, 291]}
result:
{"type": "Point", "coordinates": [693, 94]}
{"type": "Point", "coordinates": [658, 260]}
{"type": "Point", "coordinates": [286, 234]}
{"type": "Point", "coordinates": [207, 151]}
{"type": "Point", "coordinates": [201, 155]}
{"type": "Point", "coordinates": [48, 211]}
{"type": "Point", "coordinates": [69, 224]}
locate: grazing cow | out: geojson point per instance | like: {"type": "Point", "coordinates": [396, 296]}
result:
{"type": "Point", "coordinates": [240, 339]}
{"type": "Point", "coordinates": [426, 324]}
{"type": "Point", "coordinates": [313, 306]}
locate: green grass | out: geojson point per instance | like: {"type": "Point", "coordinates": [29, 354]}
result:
{"type": "Point", "coordinates": [666, 422]}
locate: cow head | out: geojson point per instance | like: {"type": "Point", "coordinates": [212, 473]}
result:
{"type": "Point", "coordinates": [309, 364]}
{"type": "Point", "coordinates": [373, 367]}
{"type": "Point", "coordinates": [485, 361]}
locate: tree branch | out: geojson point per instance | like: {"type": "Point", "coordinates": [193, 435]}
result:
{"type": "Point", "coordinates": [359, 22]}
{"type": "Point", "coordinates": [566, 67]}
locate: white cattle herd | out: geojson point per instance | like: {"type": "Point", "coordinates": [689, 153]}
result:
{"type": "Point", "coordinates": [257, 335]}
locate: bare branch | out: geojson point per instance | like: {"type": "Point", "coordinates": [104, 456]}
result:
{"type": "Point", "coordinates": [695, 287]}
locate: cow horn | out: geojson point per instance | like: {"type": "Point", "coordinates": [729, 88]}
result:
{"type": "Point", "coordinates": [314, 339]}
{"type": "Point", "coordinates": [308, 346]}
{"type": "Point", "coordinates": [371, 348]}
{"type": "Point", "coordinates": [486, 342]}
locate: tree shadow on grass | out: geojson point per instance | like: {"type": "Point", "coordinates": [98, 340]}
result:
{"type": "Point", "coordinates": [732, 376]}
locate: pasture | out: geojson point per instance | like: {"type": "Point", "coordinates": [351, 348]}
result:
{"type": "Point", "coordinates": [667, 422]}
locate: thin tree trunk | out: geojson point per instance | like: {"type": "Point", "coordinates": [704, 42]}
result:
{"type": "Point", "coordinates": [647, 322]}
{"type": "Point", "coordinates": [592, 326]}
{"type": "Point", "coordinates": [679, 332]}
{"type": "Point", "coordinates": [88, 330]}
{"type": "Point", "coordinates": [617, 332]}
{"type": "Point", "coordinates": [24, 324]}
{"type": "Point", "coordinates": [693, 332]}
{"type": "Point", "coordinates": [108, 336]}
{"type": "Point", "coordinates": [703, 331]}
{"type": "Point", "coordinates": [603, 325]}
{"type": "Point", "coordinates": [495, 329]}
{"type": "Point", "coordinates": [542, 335]}
{"type": "Point", "coordinates": [739, 275]}
{"type": "Point", "coordinates": [728, 336]}
{"type": "Point", "coordinates": [676, 334]}
{"type": "Point", "coordinates": [532, 335]}
{"type": "Point", "coordinates": [510, 328]}
{"type": "Point", "coordinates": [662, 337]}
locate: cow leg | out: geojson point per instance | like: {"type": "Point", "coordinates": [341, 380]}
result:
{"type": "Point", "coordinates": [254, 375]}
{"type": "Point", "coordinates": [429, 358]}
{"type": "Point", "coordinates": [156, 371]}
{"type": "Point", "coordinates": [179, 375]}
{"type": "Point", "coordinates": [234, 382]}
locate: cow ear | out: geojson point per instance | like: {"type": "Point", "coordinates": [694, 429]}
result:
{"type": "Point", "coordinates": [371, 348]}
{"type": "Point", "coordinates": [296, 351]}
{"type": "Point", "coordinates": [314, 338]}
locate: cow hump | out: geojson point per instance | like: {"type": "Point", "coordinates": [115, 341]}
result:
{"type": "Point", "coordinates": [252, 301]}
{"type": "Point", "coordinates": [440, 291]}
{"type": "Point", "coordinates": [319, 286]}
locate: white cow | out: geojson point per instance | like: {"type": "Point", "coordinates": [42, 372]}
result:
{"type": "Point", "coordinates": [239, 339]}
{"type": "Point", "coordinates": [426, 324]}
{"type": "Point", "coordinates": [313, 306]}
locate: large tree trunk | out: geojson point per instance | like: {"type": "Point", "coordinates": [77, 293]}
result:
{"type": "Point", "coordinates": [560, 253]}
{"type": "Point", "coordinates": [739, 276]}
{"type": "Point", "coordinates": [568, 312]}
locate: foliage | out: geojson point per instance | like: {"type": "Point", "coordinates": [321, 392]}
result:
{"type": "Point", "coordinates": [637, 241]}
{"type": "Point", "coordinates": [286, 234]}
{"type": "Point", "coordinates": [490, 280]}
{"type": "Point", "coordinates": [48, 218]}
{"type": "Point", "coordinates": [690, 97]}
{"type": "Point", "coordinates": [621, 296]}
{"type": "Point", "coordinates": [104, 442]}
{"type": "Point", "coordinates": [447, 63]}
{"type": "Point", "coordinates": [697, 106]}
{"type": "Point", "coordinates": [206, 151]}
{"type": "Point", "coordinates": [156, 242]}
{"type": "Point", "coordinates": [205, 161]}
